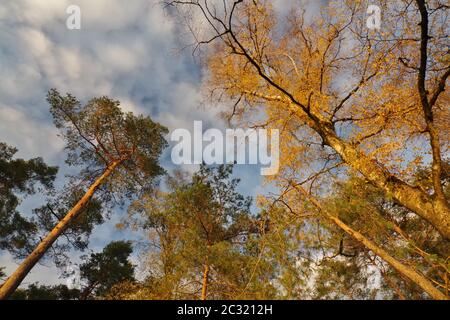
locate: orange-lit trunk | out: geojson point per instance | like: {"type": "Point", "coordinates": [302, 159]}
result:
{"type": "Point", "coordinates": [205, 281]}
{"type": "Point", "coordinates": [433, 209]}
{"type": "Point", "coordinates": [403, 269]}
{"type": "Point", "coordinates": [24, 268]}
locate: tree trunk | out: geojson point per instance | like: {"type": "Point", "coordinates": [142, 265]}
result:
{"type": "Point", "coordinates": [405, 270]}
{"type": "Point", "coordinates": [88, 290]}
{"type": "Point", "coordinates": [435, 210]}
{"type": "Point", "coordinates": [408, 272]}
{"type": "Point", "coordinates": [24, 268]}
{"type": "Point", "coordinates": [205, 281]}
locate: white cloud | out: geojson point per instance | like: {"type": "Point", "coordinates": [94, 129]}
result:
{"type": "Point", "coordinates": [127, 50]}
{"type": "Point", "coordinates": [35, 41]}
{"type": "Point", "coordinates": [124, 50]}
{"type": "Point", "coordinates": [35, 13]}
{"type": "Point", "coordinates": [34, 137]}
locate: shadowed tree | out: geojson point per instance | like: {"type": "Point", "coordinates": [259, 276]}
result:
{"type": "Point", "coordinates": [19, 176]}
{"type": "Point", "coordinates": [118, 154]}
{"type": "Point", "coordinates": [105, 269]}
{"type": "Point", "coordinates": [43, 292]}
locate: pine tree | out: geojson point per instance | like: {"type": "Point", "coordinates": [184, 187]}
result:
{"type": "Point", "coordinates": [118, 153]}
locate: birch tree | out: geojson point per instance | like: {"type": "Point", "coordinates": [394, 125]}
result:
{"type": "Point", "coordinates": [339, 91]}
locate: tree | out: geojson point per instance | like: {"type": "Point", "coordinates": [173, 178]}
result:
{"type": "Point", "coordinates": [404, 236]}
{"type": "Point", "coordinates": [404, 269]}
{"type": "Point", "coordinates": [118, 153]}
{"type": "Point", "coordinates": [203, 233]}
{"type": "Point", "coordinates": [76, 236]}
{"type": "Point", "coordinates": [43, 292]}
{"type": "Point", "coordinates": [105, 269]}
{"type": "Point", "coordinates": [396, 92]}
{"type": "Point", "coordinates": [359, 235]}
{"type": "Point", "coordinates": [100, 272]}
{"type": "Point", "coordinates": [383, 122]}
{"type": "Point", "coordinates": [19, 176]}
{"type": "Point", "coordinates": [18, 233]}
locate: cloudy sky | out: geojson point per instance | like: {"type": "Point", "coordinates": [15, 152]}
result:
{"type": "Point", "coordinates": [128, 50]}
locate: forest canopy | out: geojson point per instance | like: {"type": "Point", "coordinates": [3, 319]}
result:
{"type": "Point", "coordinates": [359, 208]}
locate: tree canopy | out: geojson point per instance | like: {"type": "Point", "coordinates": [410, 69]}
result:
{"type": "Point", "coordinates": [358, 210]}
{"type": "Point", "coordinates": [19, 177]}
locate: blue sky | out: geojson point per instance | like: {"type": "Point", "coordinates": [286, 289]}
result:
{"type": "Point", "coordinates": [128, 50]}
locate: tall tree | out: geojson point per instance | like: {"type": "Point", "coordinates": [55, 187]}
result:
{"type": "Point", "coordinates": [118, 153]}
{"type": "Point", "coordinates": [292, 70]}
{"type": "Point", "coordinates": [76, 235]}
{"type": "Point", "coordinates": [406, 237]}
{"type": "Point", "coordinates": [101, 271]}
{"type": "Point", "coordinates": [204, 230]}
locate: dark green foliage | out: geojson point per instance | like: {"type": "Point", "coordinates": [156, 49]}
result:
{"type": "Point", "coordinates": [201, 220]}
{"type": "Point", "coordinates": [77, 235]}
{"type": "Point", "coordinates": [101, 271]}
{"type": "Point", "coordinates": [19, 177]}
{"type": "Point", "coordinates": [42, 292]}
{"type": "Point", "coordinates": [99, 133]}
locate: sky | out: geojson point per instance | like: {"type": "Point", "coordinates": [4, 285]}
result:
{"type": "Point", "coordinates": [128, 50]}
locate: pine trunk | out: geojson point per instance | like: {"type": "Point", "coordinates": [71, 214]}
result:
{"type": "Point", "coordinates": [403, 269]}
{"type": "Point", "coordinates": [205, 281]}
{"type": "Point", "coordinates": [21, 272]}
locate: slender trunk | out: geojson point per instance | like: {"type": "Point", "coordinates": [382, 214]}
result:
{"type": "Point", "coordinates": [88, 290]}
{"type": "Point", "coordinates": [408, 272]}
{"type": "Point", "coordinates": [24, 268]}
{"type": "Point", "coordinates": [403, 269]}
{"type": "Point", "coordinates": [205, 281]}
{"type": "Point", "coordinates": [434, 210]}
{"type": "Point", "coordinates": [206, 273]}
